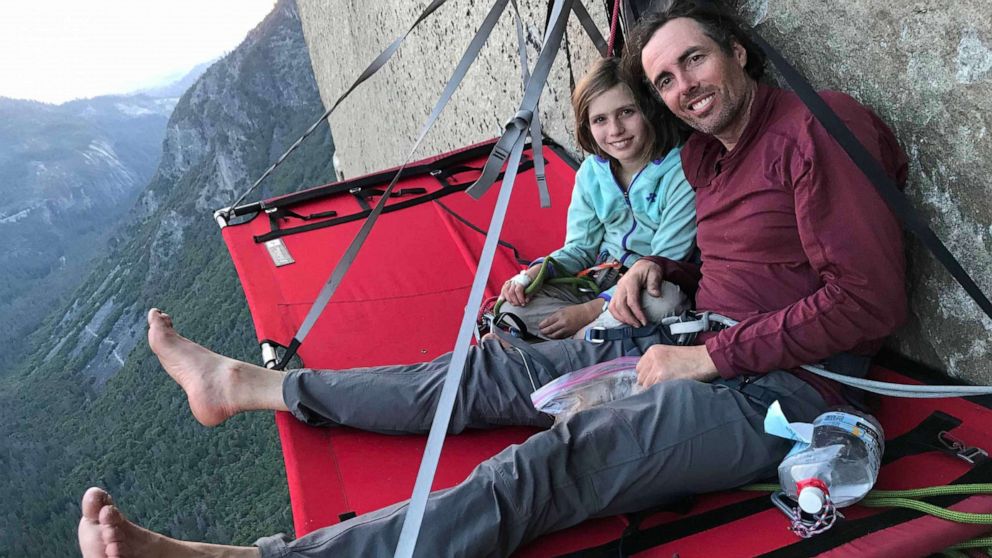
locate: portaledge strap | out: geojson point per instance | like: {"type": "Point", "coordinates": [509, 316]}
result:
{"type": "Point", "coordinates": [896, 200]}
{"type": "Point", "coordinates": [327, 291]}
{"type": "Point", "coordinates": [456, 366]}
{"type": "Point", "coordinates": [590, 27]}
{"type": "Point", "coordinates": [535, 125]}
{"type": "Point", "coordinates": [518, 126]}
{"type": "Point", "coordinates": [372, 68]}
{"type": "Point", "coordinates": [527, 351]}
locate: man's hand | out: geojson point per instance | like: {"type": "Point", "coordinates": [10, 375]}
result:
{"type": "Point", "coordinates": [513, 291]}
{"type": "Point", "coordinates": [626, 303]}
{"type": "Point", "coordinates": [565, 322]}
{"type": "Point", "coordinates": [661, 363]}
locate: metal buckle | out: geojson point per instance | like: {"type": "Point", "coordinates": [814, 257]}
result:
{"type": "Point", "coordinates": [595, 340]}
{"type": "Point", "coordinates": [968, 453]}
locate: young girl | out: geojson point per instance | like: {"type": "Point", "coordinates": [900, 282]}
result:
{"type": "Point", "coordinates": [630, 199]}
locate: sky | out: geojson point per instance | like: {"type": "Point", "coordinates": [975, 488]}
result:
{"type": "Point", "coordinates": [57, 50]}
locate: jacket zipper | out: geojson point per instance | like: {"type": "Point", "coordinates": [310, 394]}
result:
{"type": "Point", "coordinates": [633, 218]}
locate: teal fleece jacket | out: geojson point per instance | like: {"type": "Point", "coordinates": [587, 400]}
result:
{"type": "Point", "coordinates": [655, 217]}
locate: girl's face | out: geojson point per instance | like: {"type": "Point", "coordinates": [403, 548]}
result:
{"type": "Point", "coordinates": [618, 126]}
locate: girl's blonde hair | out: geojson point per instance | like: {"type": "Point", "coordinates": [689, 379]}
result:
{"type": "Point", "coordinates": [605, 74]}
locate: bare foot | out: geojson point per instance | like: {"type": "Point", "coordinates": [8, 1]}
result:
{"type": "Point", "coordinates": [207, 377]}
{"type": "Point", "coordinates": [105, 533]}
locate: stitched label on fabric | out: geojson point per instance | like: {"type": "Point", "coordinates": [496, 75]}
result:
{"type": "Point", "coordinates": [279, 253]}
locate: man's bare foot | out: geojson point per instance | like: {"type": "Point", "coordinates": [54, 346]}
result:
{"type": "Point", "coordinates": [216, 386]}
{"type": "Point", "coordinates": [105, 533]}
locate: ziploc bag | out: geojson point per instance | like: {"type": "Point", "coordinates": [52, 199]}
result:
{"type": "Point", "coordinates": [588, 387]}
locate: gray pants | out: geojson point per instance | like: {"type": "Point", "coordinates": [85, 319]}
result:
{"type": "Point", "coordinates": [675, 439]}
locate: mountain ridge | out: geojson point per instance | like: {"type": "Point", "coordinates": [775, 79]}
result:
{"type": "Point", "coordinates": [72, 415]}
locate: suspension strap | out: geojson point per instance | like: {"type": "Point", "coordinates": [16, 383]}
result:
{"type": "Point", "coordinates": [327, 291]}
{"type": "Point", "coordinates": [518, 126]}
{"type": "Point", "coordinates": [372, 68]}
{"type": "Point", "coordinates": [590, 27]}
{"type": "Point", "coordinates": [886, 187]}
{"type": "Point", "coordinates": [536, 135]}
{"type": "Point", "coordinates": [446, 402]}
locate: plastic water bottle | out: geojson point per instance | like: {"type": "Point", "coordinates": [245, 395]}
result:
{"type": "Point", "coordinates": [841, 462]}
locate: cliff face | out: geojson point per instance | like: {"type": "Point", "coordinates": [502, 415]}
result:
{"type": "Point", "coordinates": [90, 405]}
{"type": "Point", "coordinates": [925, 69]}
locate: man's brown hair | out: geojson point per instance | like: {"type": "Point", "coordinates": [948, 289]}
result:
{"type": "Point", "coordinates": [717, 21]}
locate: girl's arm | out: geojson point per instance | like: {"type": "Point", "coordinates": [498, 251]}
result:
{"type": "Point", "coordinates": [584, 230]}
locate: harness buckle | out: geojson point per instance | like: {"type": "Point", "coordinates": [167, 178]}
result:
{"type": "Point", "coordinates": [968, 453]}
{"type": "Point", "coordinates": [596, 335]}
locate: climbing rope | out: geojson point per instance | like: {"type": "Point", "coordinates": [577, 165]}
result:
{"type": "Point", "coordinates": [613, 28]}
{"type": "Point", "coordinates": [911, 499]}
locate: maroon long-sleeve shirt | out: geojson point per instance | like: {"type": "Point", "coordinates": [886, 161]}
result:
{"type": "Point", "coordinates": [795, 241]}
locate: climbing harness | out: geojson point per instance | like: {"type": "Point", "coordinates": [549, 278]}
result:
{"type": "Point", "coordinates": [590, 281]}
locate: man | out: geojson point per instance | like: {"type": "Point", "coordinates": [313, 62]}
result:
{"type": "Point", "coordinates": [795, 244]}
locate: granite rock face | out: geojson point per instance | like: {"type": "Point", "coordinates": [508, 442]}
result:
{"type": "Point", "coordinates": [925, 68]}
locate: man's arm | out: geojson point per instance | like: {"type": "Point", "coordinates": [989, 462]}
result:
{"type": "Point", "coordinates": [647, 274]}
{"type": "Point", "coordinates": [851, 239]}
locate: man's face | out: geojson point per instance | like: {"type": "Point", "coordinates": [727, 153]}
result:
{"type": "Point", "coordinates": [699, 82]}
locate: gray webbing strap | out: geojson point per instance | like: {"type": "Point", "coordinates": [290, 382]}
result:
{"type": "Point", "coordinates": [471, 53]}
{"type": "Point", "coordinates": [527, 352]}
{"type": "Point", "coordinates": [518, 125]}
{"type": "Point", "coordinates": [874, 386]}
{"type": "Point", "coordinates": [372, 68]}
{"type": "Point", "coordinates": [587, 23]}
{"type": "Point", "coordinates": [535, 125]}
{"type": "Point", "coordinates": [446, 402]}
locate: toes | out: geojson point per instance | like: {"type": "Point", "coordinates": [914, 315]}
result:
{"type": "Point", "coordinates": [112, 524]}
{"type": "Point", "coordinates": [94, 501]}
{"type": "Point", "coordinates": [110, 516]}
{"type": "Point", "coordinates": [156, 315]}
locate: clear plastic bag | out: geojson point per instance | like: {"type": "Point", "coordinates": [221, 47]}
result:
{"type": "Point", "coordinates": [588, 387]}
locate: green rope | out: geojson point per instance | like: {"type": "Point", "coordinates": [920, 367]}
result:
{"type": "Point", "coordinates": [929, 509]}
{"type": "Point", "coordinates": [762, 487]}
{"type": "Point", "coordinates": [930, 491]}
{"type": "Point", "coordinates": [909, 499]}
{"type": "Point", "coordinates": [952, 553]}
{"type": "Point", "coordinates": [562, 278]}
{"type": "Point", "coordinates": [981, 542]}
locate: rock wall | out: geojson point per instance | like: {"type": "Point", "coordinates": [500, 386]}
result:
{"type": "Point", "coordinates": [380, 121]}
{"type": "Point", "coordinates": [925, 68]}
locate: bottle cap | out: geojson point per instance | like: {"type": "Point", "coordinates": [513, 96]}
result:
{"type": "Point", "coordinates": [811, 499]}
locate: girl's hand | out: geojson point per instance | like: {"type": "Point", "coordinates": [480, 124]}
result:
{"type": "Point", "coordinates": [513, 289]}
{"type": "Point", "coordinates": [565, 322]}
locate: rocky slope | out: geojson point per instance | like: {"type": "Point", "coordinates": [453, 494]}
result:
{"type": "Point", "coordinates": [68, 173]}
